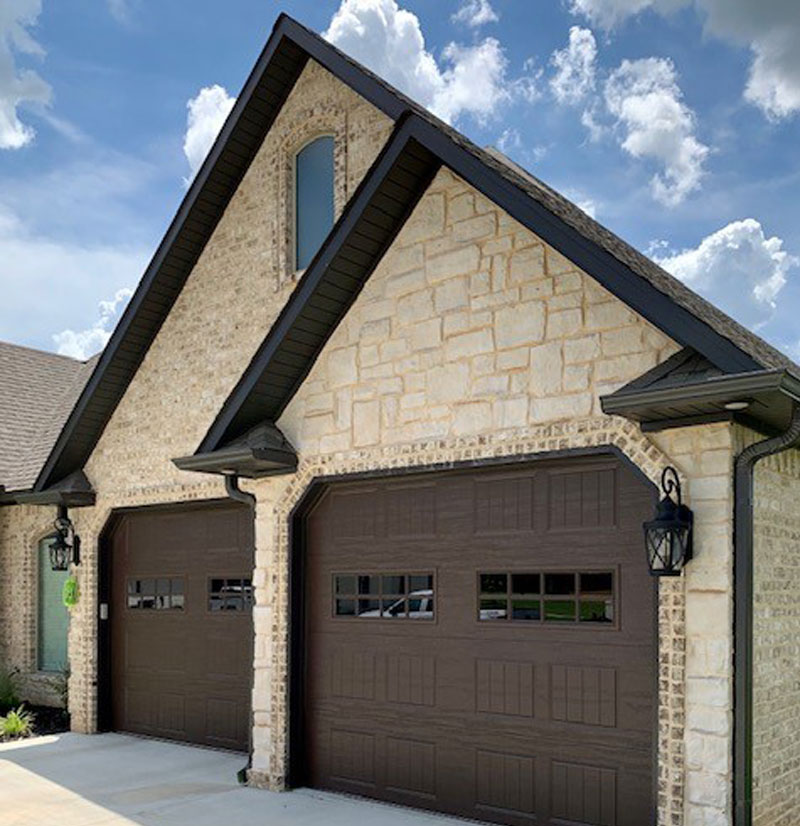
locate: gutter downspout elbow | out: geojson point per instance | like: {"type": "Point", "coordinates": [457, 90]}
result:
{"type": "Point", "coordinates": [243, 497]}
{"type": "Point", "coordinates": [743, 484]}
{"type": "Point", "coordinates": [236, 493]}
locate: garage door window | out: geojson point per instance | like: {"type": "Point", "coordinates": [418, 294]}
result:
{"type": "Point", "coordinates": [549, 597]}
{"type": "Point", "coordinates": [384, 596]}
{"type": "Point", "coordinates": [156, 594]}
{"type": "Point", "coordinates": [230, 594]}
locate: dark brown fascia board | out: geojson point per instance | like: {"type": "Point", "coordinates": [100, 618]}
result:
{"type": "Point", "coordinates": [364, 83]}
{"type": "Point", "coordinates": [658, 308]}
{"type": "Point", "coordinates": [74, 492]}
{"type": "Point", "coordinates": [718, 388]}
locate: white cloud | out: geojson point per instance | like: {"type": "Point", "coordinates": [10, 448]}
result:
{"type": "Point", "coordinates": [644, 98]}
{"type": "Point", "coordinates": [388, 39]}
{"type": "Point", "coordinates": [475, 13]}
{"type": "Point", "coordinates": [737, 267]}
{"type": "Point", "coordinates": [207, 113]}
{"type": "Point", "coordinates": [18, 86]}
{"type": "Point", "coordinates": [575, 67]}
{"type": "Point", "coordinates": [122, 10]}
{"type": "Point", "coordinates": [771, 29]}
{"type": "Point", "coordinates": [85, 343]}
{"type": "Point", "coordinates": [610, 13]}
{"type": "Point", "coordinates": [509, 140]}
{"type": "Point", "coordinates": [50, 285]}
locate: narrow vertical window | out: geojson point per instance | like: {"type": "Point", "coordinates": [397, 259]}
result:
{"type": "Point", "coordinates": [313, 198]}
{"type": "Point", "coordinates": [52, 616]}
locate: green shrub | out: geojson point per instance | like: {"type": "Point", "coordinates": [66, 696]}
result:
{"type": "Point", "coordinates": [9, 691]}
{"type": "Point", "coordinates": [17, 723]}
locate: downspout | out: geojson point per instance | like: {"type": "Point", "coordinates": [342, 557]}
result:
{"type": "Point", "coordinates": [743, 613]}
{"type": "Point", "coordinates": [243, 497]}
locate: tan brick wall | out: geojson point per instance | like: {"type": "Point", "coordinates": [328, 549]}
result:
{"type": "Point", "coordinates": [21, 529]}
{"type": "Point", "coordinates": [235, 291]}
{"type": "Point", "coordinates": [776, 653]}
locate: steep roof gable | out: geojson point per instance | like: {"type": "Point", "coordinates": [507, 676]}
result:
{"type": "Point", "coordinates": [319, 303]}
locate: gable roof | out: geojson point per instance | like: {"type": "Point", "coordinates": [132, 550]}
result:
{"type": "Point", "coordinates": [38, 391]}
{"type": "Point", "coordinates": [323, 295]}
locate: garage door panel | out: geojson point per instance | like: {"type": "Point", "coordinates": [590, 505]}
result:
{"type": "Point", "coordinates": [516, 716]}
{"type": "Point", "coordinates": [179, 669]}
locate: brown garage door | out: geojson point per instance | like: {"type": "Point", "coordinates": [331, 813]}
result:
{"type": "Point", "coordinates": [482, 643]}
{"type": "Point", "coordinates": [181, 624]}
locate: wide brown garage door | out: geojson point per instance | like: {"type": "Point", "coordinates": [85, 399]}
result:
{"type": "Point", "coordinates": [482, 643]}
{"type": "Point", "coordinates": [181, 624]}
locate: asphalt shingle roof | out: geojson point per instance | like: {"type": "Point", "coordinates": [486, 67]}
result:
{"type": "Point", "coordinates": [37, 393]}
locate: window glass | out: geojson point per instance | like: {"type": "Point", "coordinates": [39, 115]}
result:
{"type": "Point", "coordinates": [494, 583]}
{"type": "Point", "coordinates": [549, 597]}
{"type": "Point", "coordinates": [53, 617]}
{"type": "Point", "coordinates": [230, 594]}
{"type": "Point", "coordinates": [525, 583]}
{"type": "Point", "coordinates": [313, 198]}
{"type": "Point", "coordinates": [559, 583]}
{"type": "Point", "coordinates": [159, 594]}
{"type": "Point", "coordinates": [559, 610]}
{"type": "Point", "coordinates": [383, 596]}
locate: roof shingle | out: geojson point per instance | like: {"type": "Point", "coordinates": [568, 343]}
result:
{"type": "Point", "coordinates": [37, 393]}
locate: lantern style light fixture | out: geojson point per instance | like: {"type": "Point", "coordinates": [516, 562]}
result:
{"type": "Point", "coordinates": [668, 537]}
{"type": "Point", "coordinates": [66, 545]}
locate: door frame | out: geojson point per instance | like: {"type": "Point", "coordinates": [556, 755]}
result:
{"type": "Point", "coordinates": [105, 544]}
{"type": "Point", "coordinates": [298, 542]}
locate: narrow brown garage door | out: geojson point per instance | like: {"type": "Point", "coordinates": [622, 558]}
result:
{"type": "Point", "coordinates": [482, 643]}
{"type": "Point", "coordinates": [181, 624]}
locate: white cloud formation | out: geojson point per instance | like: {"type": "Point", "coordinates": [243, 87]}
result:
{"type": "Point", "coordinates": [206, 114]}
{"type": "Point", "coordinates": [738, 268]}
{"type": "Point", "coordinates": [654, 123]}
{"type": "Point", "coordinates": [575, 67]}
{"type": "Point", "coordinates": [388, 39]}
{"type": "Point", "coordinates": [18, 86]}
{"type": "Point", "coordinates": [85, 343]}
{"type": "Point", "coordinates": [475, 13]}
{"type": "Point", "coordinates": [51, 284]}
{"type": "Point", "coordinates": [770, 28]}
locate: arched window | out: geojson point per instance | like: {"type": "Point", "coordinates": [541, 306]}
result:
{"type": "Point", "coordinates": [313, 198]}
{"type": "Point", "coordinates": [52, 617]}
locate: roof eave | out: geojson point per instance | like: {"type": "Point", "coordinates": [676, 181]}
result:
{"type": "Point", "coordinates": [769, 395]}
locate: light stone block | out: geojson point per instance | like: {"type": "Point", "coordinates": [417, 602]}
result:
{"type": "Point", "coordinates": [522, 324]}
{"type": "Point", "coordinates": [546, 368]}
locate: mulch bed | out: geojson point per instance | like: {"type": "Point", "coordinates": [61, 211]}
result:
{"type": "Point", "coordinates": [47, 720]}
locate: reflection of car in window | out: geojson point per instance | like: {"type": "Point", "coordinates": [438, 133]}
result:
{"type": "Point", "coordinates": [420, 606]}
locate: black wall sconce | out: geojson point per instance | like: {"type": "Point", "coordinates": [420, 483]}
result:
{"type": "Point", "coordinates": [66, 545]}
{"type": "Point", "coordinates": [668, 537]}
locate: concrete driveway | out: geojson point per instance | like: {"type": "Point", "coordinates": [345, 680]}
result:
{"type": "Point", "coordinates": [119, 780]}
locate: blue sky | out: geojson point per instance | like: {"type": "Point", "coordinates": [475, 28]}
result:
{"type": "Point", "coordinates": [675, 122]}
